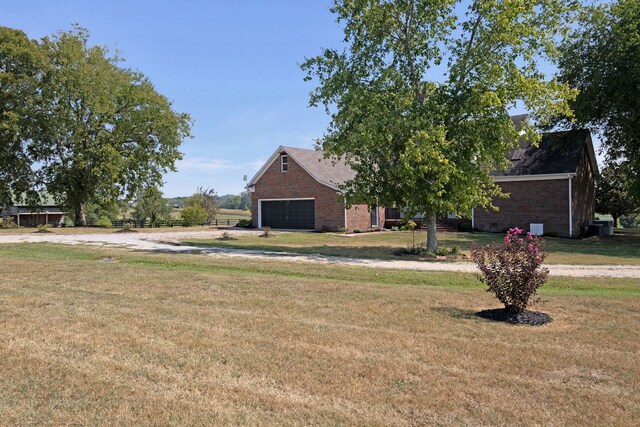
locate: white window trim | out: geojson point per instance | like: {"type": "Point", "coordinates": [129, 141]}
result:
{"type": "Point", "coordinates": [277, 200]}
{"type": "Point", "coordinates": [283, 163]}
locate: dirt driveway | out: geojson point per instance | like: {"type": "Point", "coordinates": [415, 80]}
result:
{"type": "Point", "coordinates": [168, 242]}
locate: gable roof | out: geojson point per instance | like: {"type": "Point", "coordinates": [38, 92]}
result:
{"type": "Point", "coordinates": [557, 153]}
{"type": "Point", "coordinates": [331, 172]}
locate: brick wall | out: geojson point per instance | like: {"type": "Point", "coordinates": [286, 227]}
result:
{"type": "Point", "coordinates": [583, 196]}
{"type": "Point", "coordinates": [297, 183]}
{"type": "Point", "coordinates": [359, 216]}
{"type": "Point", "coordinates": [545, 202]}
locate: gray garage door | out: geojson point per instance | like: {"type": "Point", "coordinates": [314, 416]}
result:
{"type": "Point", "coordinates": [298, 214]}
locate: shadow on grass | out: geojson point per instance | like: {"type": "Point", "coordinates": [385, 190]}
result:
{"type": "Point", "coordinates": [457, 313]}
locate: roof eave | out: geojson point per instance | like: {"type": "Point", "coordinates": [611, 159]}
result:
{"type": "Point", "coordinates": [539, 177]}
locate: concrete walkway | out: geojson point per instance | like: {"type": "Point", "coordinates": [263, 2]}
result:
{"type": "Point", "coordinates": [168, 242]}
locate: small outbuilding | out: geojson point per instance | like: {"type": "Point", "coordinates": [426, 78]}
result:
{"type": "Point", "coordinates": [551, 187]}
{"type": "Point", "coordinates": [47, 213]}
{"type": "Point", "coordinates": [300, 189]}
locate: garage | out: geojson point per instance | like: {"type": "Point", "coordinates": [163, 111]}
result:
{"type": "Point", "coordinates": [294, 214]}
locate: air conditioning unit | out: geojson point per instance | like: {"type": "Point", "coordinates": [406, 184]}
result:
{"type": "Point", "coordinates": [536, 229]}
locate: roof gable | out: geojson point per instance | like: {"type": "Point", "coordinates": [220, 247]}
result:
{"type": "Point", "coordinates": [331, 172]}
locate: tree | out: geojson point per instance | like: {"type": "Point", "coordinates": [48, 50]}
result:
{"type": "Point", "coordinates": [102, 131]}
{"type": "Point", "coordinates": [245, 200]}
{"type": "Point", "coordinates": [601, 60]}
{"type": "Point", "coordinates": [20, 63]}
{"type": "Point", "coordinates": [613, 195]}
{"type": "Point", "coordinates": [152, 206]}
{"type": "Point", "coordinates": [193, 215]}
{"type": "Point", "coordinates": [420, 97]}
{"type": "Point", "coordinates": [205, 198]}
{"type": "Point", "coordinates": [97, 211]}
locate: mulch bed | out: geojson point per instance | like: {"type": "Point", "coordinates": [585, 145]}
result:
{"type": "Point", "coordinates": [526, 317]}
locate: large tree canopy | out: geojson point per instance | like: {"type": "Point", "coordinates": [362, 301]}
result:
{"type": "Point", "coordinates": [420, 96]}
{"type": "Point", "coordinates": [97, 131]}
{"type": "Point", "coordinates": [601, 60]}
{"type": "Point", "coordinates": [20, 65]}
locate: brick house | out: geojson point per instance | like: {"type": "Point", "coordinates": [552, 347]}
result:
{"type": "Point", "coordinates": [551, 187]}
{"type": "Point", "coordinates": [300, 189]}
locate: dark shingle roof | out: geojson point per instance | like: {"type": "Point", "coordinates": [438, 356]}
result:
{"type": "Point", "coordinates": [558, 152]}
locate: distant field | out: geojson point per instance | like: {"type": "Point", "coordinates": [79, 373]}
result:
{"type": "Point", "coordinates": [108, 336]}
{"type": "Point", "coordinates": [623, 248]}
{"type": "Point", "coordinates": [222, 214]}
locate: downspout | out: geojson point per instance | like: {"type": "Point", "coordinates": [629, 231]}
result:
{"type": "Point", "coordinates": [346, 227]}
{"type": "Point", "coordinates": [259, 214]}
{"type": "Point", "coordinates": [473, 219]}
{"type": "Point", "coordinates": [570, 210]}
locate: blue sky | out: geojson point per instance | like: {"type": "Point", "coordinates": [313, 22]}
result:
{"type": "Point", "coordinates": [233, 65]}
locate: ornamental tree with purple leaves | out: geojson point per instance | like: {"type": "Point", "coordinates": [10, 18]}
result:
{"type": "Point", "coordinates": [512, 271]}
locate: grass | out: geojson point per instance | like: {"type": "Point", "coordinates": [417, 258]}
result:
{"type": "Point", "coordinates": [105, 336]}
{"type": "Point", "coordinates": [623, 248]}
{"type": "Point", "coordinates": [222, 213]}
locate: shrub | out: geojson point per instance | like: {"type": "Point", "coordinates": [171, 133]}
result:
{"type": "Point", "coordinates": [630, 221]}
{"type": "Point", "coordinates": [43, 228]}
{"type": "Point", "coordinates": [193, 215]}
{"type": "Point", "coordinates": [244, 223]}
{"type": "Point", "coordinates": [266, 231]}
{"type": "Point", "coordinates": [442, 251]}
{"type": "Point", "coordinates": [8, 223]}
{"type": "Point", "coordinates": [357, 230]}
{"type": "Point", "coordinates": [226, 236]}
{"type": "Point", "coordinates": [512, 271]}
{"type": "Point", "coordinates": [410, 225]}
{"type": "Point", "coordinates": [104, 221]}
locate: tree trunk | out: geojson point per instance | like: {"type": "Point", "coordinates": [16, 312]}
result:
{"type": "Point", "coordinates": [432, 239]}
{"type": "Point", "coordinates": [615, 220]}
{"type": "Point", "coordinates": [5, 212]}
{"type": "Point", "coordinates": [80, 219]}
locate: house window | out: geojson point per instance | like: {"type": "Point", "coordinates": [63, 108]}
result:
{"type": "Point", "coordinates": [284, 163]}
{"type": "Point", "coordinates": [374, 216]}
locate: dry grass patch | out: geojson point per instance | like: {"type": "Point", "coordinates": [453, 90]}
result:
{"type": "Point", "coordinates": [186, 339]}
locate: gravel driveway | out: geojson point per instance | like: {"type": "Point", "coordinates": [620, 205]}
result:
{"type": "Point", "coordinates": [168, 242]}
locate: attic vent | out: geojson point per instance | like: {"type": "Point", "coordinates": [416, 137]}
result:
{"type": "Point", "coordinates": [517, 155]}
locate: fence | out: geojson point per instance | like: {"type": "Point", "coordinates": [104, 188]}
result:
{"type": "Point", "coordinates": [172, 223]}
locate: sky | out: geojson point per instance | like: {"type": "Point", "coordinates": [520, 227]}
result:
{"type": "Point", "coordinates": [232, 65]}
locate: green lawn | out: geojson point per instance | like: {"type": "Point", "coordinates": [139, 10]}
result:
{"type": "Point", "coordinates": [94, 336]}
{"type": "Point", "coordinates": [623, 248]}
